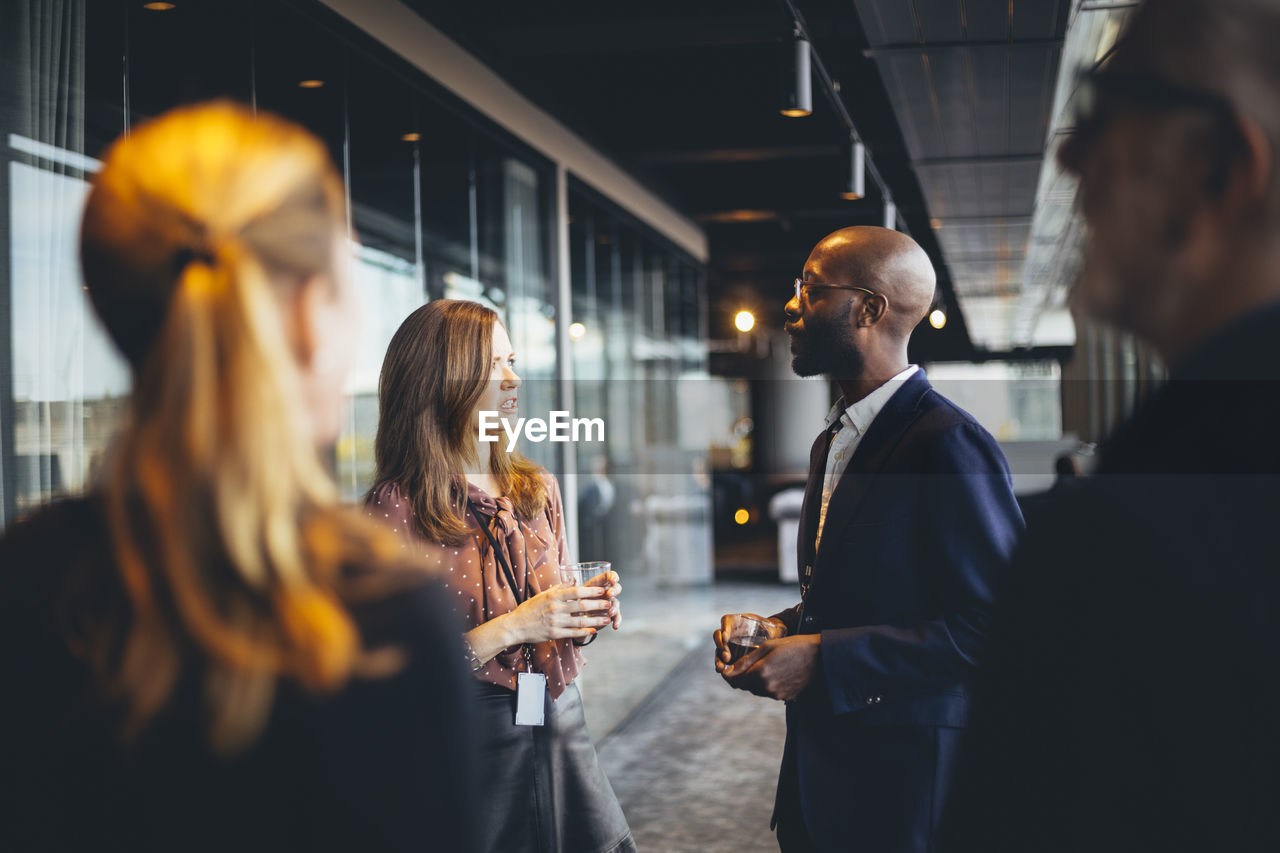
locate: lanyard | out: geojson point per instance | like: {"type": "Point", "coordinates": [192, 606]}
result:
{"type": "Point", "coordinates": [508, 572]}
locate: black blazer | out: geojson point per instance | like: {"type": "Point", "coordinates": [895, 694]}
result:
{"type": "Point", "coordinates": [917, 532]}
{"type": "Point", "coordinates": [385, 763]}
{"type": "Point", "coordinates": [1132, 697]}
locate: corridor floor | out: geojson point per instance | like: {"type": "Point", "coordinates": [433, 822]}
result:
{"type": "Point", "coordinates": [693, 762]}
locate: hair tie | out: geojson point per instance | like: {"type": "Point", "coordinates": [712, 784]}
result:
{"type": "Point", "coordinates": [196, 245]}
{"type": "Point", "coordinates": [188, 255]}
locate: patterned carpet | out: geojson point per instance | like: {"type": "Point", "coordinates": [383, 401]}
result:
{"type": "Point", "coordinates": [695, 765]}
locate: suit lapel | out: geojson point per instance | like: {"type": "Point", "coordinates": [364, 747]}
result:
{"type": "Point", "coordinates": [874, 451]}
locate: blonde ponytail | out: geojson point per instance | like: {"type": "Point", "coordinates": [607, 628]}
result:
{"type": "Point", "coordinates": [225, 528]}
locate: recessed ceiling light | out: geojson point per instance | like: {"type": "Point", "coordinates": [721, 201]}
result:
{"type": "Point", "coordinates": [310, 84]}
{"type": "Point", "coordinates": [411, 137]}
{"type": "Point", "coordinates": [158, 7]}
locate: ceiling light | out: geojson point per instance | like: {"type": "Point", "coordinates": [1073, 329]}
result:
{"type": "Point", "coordinates": [937, 318]}
{"type": "Point", "coordinates": [158, 7]}
{"type": "Point", "coordinates": [890, 214]}
{"type": "Point", "coordinates": [855, 171]}
{"type": "Point", "coordinates": [577, 331]}
{"type": "Point", "coordinates": [310, 84]}
{"type": "Point", "coordinates": [797, 99]}
{"type": "Point", "coordinates": [731, 217]}
{"type": "Point", "coordinates": [411, 137]}
{"type": "Point", "coordinates": [745, 321]}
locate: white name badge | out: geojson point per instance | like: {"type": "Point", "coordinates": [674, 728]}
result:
{"type": "Point", "coordinates": [531, 692]}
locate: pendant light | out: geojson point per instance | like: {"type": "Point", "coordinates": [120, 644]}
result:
{"type": "Point", "coordinates": [854, 185]}
{"type": "Point", "coordinates": [797, 99]}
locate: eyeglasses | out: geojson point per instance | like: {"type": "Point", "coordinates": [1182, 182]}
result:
{"type": "Point", "coordinates": [1093, 103]}
{"type": "Point", "coordinates": [802, 286]}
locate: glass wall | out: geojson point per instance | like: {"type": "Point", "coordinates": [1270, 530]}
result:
{"type": "Point", "coordinates": [640, 366]}
{"type": "Point", "coordinates": [442, 204]}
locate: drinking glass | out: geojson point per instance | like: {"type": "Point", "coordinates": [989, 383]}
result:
{"type": "Point", "coordinates": [587, 574]}
{"type": "Point", "coordinates": [745, 634]}
{"type": "Point", "coordinates": [594, 573]}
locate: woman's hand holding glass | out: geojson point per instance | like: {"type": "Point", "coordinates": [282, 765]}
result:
{"type": "Point", "coordinates": [559, 613]}
{"type": "Point", "coordinates": [598, 573]}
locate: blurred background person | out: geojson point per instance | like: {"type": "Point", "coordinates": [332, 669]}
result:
{"type": "Point", "coordinates": [206, 651]}
{"type": "Point", "coordinates": [1132, 699]}
{"type": "Point", "coordinates": [493, 523]}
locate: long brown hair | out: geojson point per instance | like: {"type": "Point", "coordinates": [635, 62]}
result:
{"type": "Point", "coordinates": [433, 377]}
{"type": "Point", "coordinates": [225, 529]}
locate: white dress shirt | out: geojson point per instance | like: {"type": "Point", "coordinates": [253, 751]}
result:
{"type": "Point", "coordinates": [854, 421]}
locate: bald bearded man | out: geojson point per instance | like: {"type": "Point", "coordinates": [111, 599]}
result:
{"type": "Point", "coordinates": [908, 519]}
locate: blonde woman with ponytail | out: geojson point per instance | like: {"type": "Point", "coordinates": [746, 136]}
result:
{"type": "Point", "coordinates": [207, 651]}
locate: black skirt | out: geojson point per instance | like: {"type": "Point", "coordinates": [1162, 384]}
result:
{"type": "Point", "coordinates": [542, 788]}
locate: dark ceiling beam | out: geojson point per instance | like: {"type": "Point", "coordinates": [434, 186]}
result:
{"type": "Point", "coordinates": [980, 160]}
{"type": "Point", "coordinates": [934, 47]}
{"type": "Point", "coordinates": [647, 35]}
{"type": "Point", "coordinates": [732, 155]}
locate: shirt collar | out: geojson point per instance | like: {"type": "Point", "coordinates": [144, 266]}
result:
{"type": "Point", "coordinates": [860, 415]}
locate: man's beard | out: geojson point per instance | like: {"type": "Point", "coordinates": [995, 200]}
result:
{"type": "Point", "coordinates": [826, 346]}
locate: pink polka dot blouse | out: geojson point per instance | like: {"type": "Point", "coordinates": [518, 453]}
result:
{"type": "Point", "coordinates": [533, 547]}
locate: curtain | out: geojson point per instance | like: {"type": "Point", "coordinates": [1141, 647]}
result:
{"type": "Point", "coordinates": [64, 384]}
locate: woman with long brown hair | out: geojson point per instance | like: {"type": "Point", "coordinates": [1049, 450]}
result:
{"type": "Point", "coordinates": [492, 522]}
{"type": "Point", "coordinates": [207, 651]}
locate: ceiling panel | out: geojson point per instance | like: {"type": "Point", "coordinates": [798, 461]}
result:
{"type": "Point", "coordinates": [990, 99]}
{"type": "Point", "coordinates": [1033, 72]}
{"type": "Point", "coordinates": [985, 275]}
{"type": "Point", "coordinates": [1001, 237]}
{"type": "Point", "coordinates": [987, 20]}
{"type": "Point", "coordinates": [939, 19]}
{"type": "Point", "coordinates": [989, 189]}
{"type": "Point", "coordinates": [910, 85]}
{"type": "Point", "coordinates": [1038, 19]}
{"type": "Point", "coordinates": [953, 85]}
{"type": "Point", "coordinates": [975, 120]}
{"type": "Point", "coordinates": [989, 319]}
{"type": "Point", "coordinates": [887, 21]}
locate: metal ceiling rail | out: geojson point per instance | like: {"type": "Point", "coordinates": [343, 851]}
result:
{"type": "Point", "coordinates": [932, 47]}
{"type": "Point", "coordinates": [994, 217]}
{"type": "Point", "coordinates": [980, 159]}
{"type": "Point", "coordinates": [832, 91]}
{"type": "Point", "coordinates": [1105, 6]}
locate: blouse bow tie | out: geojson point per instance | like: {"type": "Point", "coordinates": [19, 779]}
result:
{"type": "Point", "coordinates": [504, 517]}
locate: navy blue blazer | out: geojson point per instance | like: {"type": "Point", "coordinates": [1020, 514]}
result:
{"type": "Point", "coordinates": [917, 532]}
